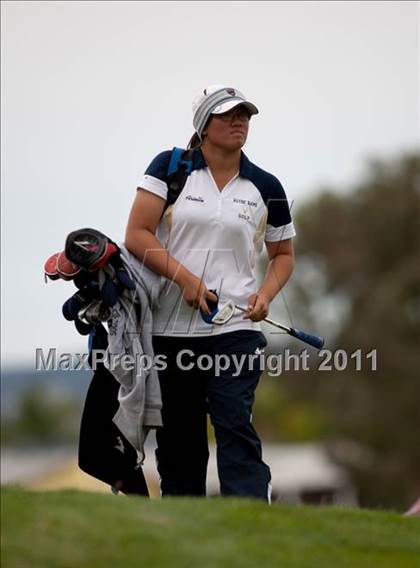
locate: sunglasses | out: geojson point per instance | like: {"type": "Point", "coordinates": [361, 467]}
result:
{"type": "Point", "coordinates": [238, 114]}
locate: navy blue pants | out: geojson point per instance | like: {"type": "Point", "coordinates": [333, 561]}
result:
{"type": "Point", "coordinates": [189, 395]}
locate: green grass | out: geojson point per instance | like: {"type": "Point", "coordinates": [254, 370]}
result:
{"type": "Point", "coordinates": [72, 529]}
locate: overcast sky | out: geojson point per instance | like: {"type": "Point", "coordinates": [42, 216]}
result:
{"type": "Point", "coordinates": [91, 91]}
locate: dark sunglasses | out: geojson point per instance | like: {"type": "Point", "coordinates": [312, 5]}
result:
{"type": "Point", "coordinates": [238, 113]}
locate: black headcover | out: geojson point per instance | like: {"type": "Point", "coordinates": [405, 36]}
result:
{"type": "Point", "coordinates": [86, 247]}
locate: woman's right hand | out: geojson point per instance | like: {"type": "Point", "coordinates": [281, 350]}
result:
{"type": "Point", "coordinates": [195, 293]}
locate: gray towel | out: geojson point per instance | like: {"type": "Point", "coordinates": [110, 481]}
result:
{"type": "Point", "coordinates": [130, 333]}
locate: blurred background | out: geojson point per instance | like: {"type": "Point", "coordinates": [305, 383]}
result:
{"type": "Point", "coordinates": [92, 91]}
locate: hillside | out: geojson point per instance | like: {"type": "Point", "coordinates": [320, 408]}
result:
{"type": "Point", "coordinates": [71, 529]}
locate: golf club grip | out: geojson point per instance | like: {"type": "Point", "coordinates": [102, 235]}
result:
{"type": "Point", "coordinates": [313, 340]}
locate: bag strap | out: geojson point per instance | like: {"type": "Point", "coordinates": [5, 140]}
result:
{"type": "Point", "coordinates": [180, 167]}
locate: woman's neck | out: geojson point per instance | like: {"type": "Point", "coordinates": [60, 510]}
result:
{"type": "Point", "coordinates": [221, 160]}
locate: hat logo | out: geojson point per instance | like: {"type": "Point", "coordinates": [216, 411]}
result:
{"type": "Point", "coordinates": [231, 92]}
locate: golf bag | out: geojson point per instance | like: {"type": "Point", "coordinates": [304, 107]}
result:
{"type": "Point", "coordinates": [92, 260]}
{"type": "Point", "coordinates": [104, 453]}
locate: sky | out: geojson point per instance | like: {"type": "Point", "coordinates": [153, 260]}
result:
{"type": "Point", "coordinates": [92, 91]}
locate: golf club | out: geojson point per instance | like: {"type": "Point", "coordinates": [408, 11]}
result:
{"type": "Point", "coordinates": [226, 312]}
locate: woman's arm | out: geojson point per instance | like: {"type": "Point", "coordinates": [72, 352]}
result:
{"type": "Point", "coordinates": [280, 267]}
{"type": "Point", "coordinates": [141, 241]}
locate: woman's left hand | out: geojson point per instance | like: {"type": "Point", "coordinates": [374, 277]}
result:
{"type": "Point", "coordinates": [258, 305]}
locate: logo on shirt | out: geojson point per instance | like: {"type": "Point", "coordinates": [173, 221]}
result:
{"type": "Point", "coordinates": [191, 198]}
{"type": "Point", "coordinates": [245, 202]}
{"type": "Point", "coordinates": [244, 215]}
{"type": "Point", "coordinates": [86, 245]}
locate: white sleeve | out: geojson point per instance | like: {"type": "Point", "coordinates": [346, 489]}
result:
{"type": "Point", "coordinates": [154, 185]}
{"type": "Point", "coordinates": [281, 233]}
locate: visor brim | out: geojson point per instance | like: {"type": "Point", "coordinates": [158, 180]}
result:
{"type": "Point", "coordinates": [229, 105]}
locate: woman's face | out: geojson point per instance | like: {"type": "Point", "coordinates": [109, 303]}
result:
{"type": "Point", "coordinates": [228, 130]}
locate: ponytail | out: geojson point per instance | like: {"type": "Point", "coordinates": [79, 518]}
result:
{"type": "Point", "coordinates": [194, 142]}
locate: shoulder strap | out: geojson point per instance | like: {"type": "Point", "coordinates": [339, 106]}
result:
{"type": "Point", "coordinates": [180, 167]}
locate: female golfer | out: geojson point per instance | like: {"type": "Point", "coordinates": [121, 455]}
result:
{"type": "Point", "coordinates": [208, 238]}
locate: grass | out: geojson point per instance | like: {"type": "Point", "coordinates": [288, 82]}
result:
{"type": "Point", "coordinates": [73, 529]}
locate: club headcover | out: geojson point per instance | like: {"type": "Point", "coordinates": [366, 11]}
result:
{"type": "Point", "coordinates": [94, 263]}
{"type": "Point", "coordinates": [59, 266]}
{"type": "Point", "coordinates": [72, 306]}
{"type": "Point", "coordinates": [89, 248]}
{"type": "Point", "coordinates": [80, 299]}
{"type": "Point", "coordinates": [50, 267]}
{"type": "Point", "coordinates": [124, 279]}
{"type": "Point", "coordinates": [110, 292]}
{"type": "Point", "coordinates": [85, 278]}
{"type": "Point", "coordinates": [83, 328]}
{"type": "Point", "coordinates": [66, 269]}
{"type": "Point", "coordinates": [213, 307]}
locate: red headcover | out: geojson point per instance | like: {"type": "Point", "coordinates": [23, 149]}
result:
{"type": "Point", "coordinates": [59, 266]}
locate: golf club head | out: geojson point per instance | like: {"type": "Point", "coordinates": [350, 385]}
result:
{"type": "Point", "coordinates": [224, 314]}
{"type": "Point", "coordinates": [218, 316]}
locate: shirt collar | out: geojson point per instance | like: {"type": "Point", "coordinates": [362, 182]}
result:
{"type": "Point", "coordinates": [245, 165]}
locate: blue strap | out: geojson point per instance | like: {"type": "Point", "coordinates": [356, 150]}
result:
{"type": "Point", "coordinates": [176, 160]}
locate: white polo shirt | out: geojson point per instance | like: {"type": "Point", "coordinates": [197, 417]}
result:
{"type": "Point", "coordinates": [218, 236]}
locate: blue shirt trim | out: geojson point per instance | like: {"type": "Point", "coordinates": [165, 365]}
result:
{"type": "Point", "coordinates": [269, 186]}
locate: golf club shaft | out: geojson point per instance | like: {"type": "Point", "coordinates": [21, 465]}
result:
{"type": "Point", "coordinates": [268, 320]}
{"type": "Point", "coordinates": [314, 340]}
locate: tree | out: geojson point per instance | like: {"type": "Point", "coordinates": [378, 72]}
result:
{"type": "Point", "coordinates": [358, 255]}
